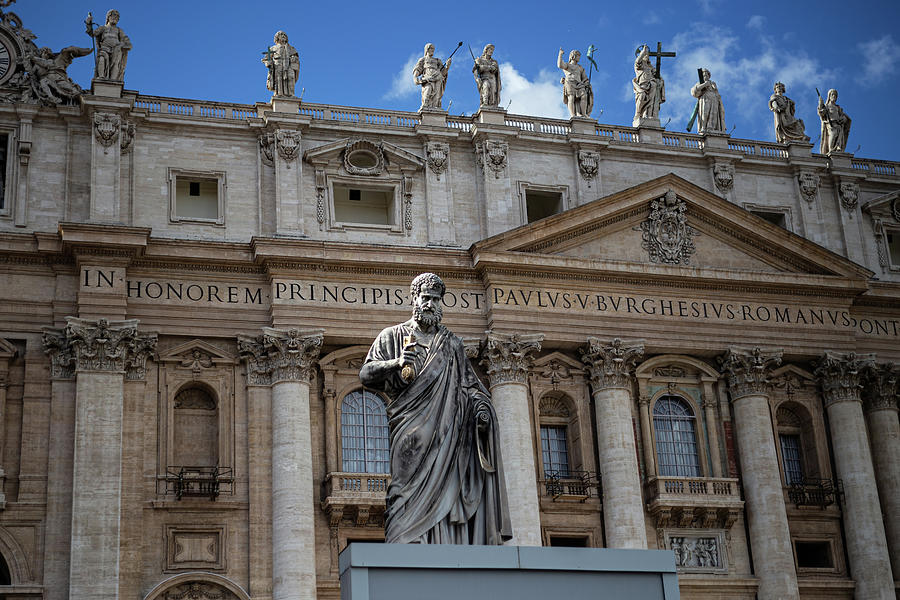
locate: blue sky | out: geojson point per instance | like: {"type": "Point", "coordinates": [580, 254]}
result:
{"type": "Point", "coordinates": [361, 54]}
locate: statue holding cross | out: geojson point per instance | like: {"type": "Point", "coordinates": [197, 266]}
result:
{"type": "Point", "coordinates": [649, 86]}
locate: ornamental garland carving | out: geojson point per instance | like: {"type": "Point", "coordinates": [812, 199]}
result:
{"type": "Point", "coordinates": [437, 156]}
{"type": "Point", "coordinates": [611, 365]}
{"type": "Point", "coordinates": [287, 143]}
{"type": "Point", "coordinates": [362, 157]}
{"type": "Point", "coordinates": [666, 234]}
{"type": "Point", "coordinates": [809, 184]}
{"type": "Point", "coordinates": [895, 209]}
{"type": "Point", "coordinates": [280, 355]}
{"type": "Point", "coordinates": [267, 148]}
{"type": "Point", "coordinates": [723, 173]}
{"type": "Point", "coordinates": [588, 164]}
{"type": "Point", "coordinates": [127, 137]}
{"type": "Point", "coordinates": [106, 128]}
{"type": "Point", "coordinates": [840, 375]}
{"type": "Point", "coordinates": [507, 357]}
{"type": "Point", "coordinates": [881, 387]}
{"type": "Point", "coordinates": [747, 371]}
{"type": "Point", "coordinates": [849, 192]}
{"type": "Point", "coordinates": [320, 197]}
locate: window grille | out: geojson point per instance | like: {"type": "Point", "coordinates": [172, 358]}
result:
{"type": "Point", "coordinates": [676, 438]}
{"type": "Point", "coordinates": [364, 433]}
{"type": "Point", "coordinates": [790, 458]}
{"type": "Point", "coordinates": [554, 450]}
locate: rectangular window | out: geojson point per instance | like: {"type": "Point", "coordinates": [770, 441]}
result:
{"type": "Point", "coordinates": [197, 197]}
{"type": "Point", "coordinates": [542, 204]}
{"type": "Point", "coordinates": [773, 217]}
{"type": "Point", "coordinates": [893, 244]}
{"type": "Point", "coordinates": [814, 555]}
{"type": "Point", "coordinates": [560, 541]}
{"type": "Point", "coordinates": [554, 451]}
{"type": "Point", "coordinates": [791, 460]}
{"type": "Point", "coordinates": [364, 206]}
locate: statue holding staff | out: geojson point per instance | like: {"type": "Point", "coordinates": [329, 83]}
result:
{"type": "Point", "coordinates": [446, 474]}
{"type": "Point", "coordinates": [835, 124]}
{"type": "Point", "coordinates": [431, 73]}
{"type": "Point", "coordinates": [112, 47]}
{"type": "Point", "coordinates": [578, 95]}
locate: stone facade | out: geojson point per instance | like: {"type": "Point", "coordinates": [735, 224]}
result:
{"type": "Point", "coordinates": [190, 289]}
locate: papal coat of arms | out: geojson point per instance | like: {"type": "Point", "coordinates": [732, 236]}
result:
{"type": "Point", "coordinates": [666, 234]}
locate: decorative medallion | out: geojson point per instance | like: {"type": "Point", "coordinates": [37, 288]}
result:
{"type": "Point", "coordinates": [588, 164]}
{"type": "Point", "coordinates": [849, 195]}
{"type": "Point", "coordinates": [106, 128]}
{"type": "Point", "coordinates": [288, 145]}
{"type": "Point", "coordinates": [666, 234]}
{"type": "Point", "coordinates": [362, 157]}
{"type": "Point", "coordinates": [895, 209]}
{"type": "Point", "coordinates": [723, 173]}
{"type": "Point", "coordinates": [809, 184]}
{"type": "Point", "coordinates": [495, 156]}
{"type": "Point", "coordinates": [437, 154]}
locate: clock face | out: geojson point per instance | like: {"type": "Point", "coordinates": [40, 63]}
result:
{"type": "Point", "coordinates": [6, 61]}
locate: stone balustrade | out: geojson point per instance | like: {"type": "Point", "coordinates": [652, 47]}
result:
{"type": "Point", "coordinates": [697, 501]}
{"type": "Point", "coordinates": [356, 496]}
{"type": "Point", "coordinates": [528, 125]}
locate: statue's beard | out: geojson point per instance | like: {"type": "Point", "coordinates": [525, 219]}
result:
{"type": "Point", "coordinates": [428, 318]}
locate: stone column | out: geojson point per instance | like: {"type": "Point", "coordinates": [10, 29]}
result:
{"type": "Point", "coordinates": [287, 359]}
{"type": "Point", "coordinates": [647, 436]}
{"type": "Point", "coordinates": [870, 566]}
{"type": "Point", "coordinates": [103, 351]}
{"type": "Point", "coordinates": [747, 372]}
{"type": "Point", "coordinates": [712, 428]}
{"type": "Point", "coordinates": [507, 358]}
{"type": "Point", "coordinates": [880, 406]}
{"type": "Point", "coordinates": [611, 367]}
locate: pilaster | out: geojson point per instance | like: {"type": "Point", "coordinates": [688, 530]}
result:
{"type": "Point", "coordinates": [7, 353]}
{"type": "Point", "coordinates": [880, 406]}
{"type": "Point", "coordinates": [439, 190]}
{"type": "Point", "coordinates": [491, 144]}
{"type": "Point", "coordinates": [285, 359]}
{"type": "Point", "coordinates": [747, 373]}
{"type": "Point", "coordinates": [507, 358]}
{"type": "Point", "coordinates": [610, 367]}
{"type": "Point", "coordinates": [841, 378]}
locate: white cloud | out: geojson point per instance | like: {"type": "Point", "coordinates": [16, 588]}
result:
{"type": "Point", "coordinates": [652, 19]}
{"type": "Point", "coordinates": [756, 22]}
{"type": "Point", "coordinates": [881, 58]}
{"type": "Point", "coordinates": [402, 85]}
{"type": "Point", "coordinates": [744, 78]}
{"type": "Point", "coordinates": [708, 6]}
{"type": "Point", "coordinates": [539, 98]}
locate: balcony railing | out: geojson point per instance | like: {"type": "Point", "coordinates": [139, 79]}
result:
{"type": "Point", "coordinates": [694, 501]}
{"type": "Point", "coordinates": [198, 481]}
{"type": "Point", "coordinates": [821, 493]}
{"type": "Point", "coordinates": [358, 497]}
{"type": "Point", "coordinates": [572, 485]}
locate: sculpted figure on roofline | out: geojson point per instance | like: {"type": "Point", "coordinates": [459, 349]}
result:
{"type": "Point", "coordinates": [788, 128]}
{"type": "Point", "coordinates": [577, 93]}
{"type": "Point", "coordinates": [112, 47]}
{"type": "Point", "coordinates": [431, 73]}
{"type": "Point", "coordinates": [487, 77]}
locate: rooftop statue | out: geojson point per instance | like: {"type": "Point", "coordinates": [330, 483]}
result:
{"type": "Point", "coordinates": [577, 92]}
{"type": "Point", "coordinates": [835, 125]}
{"type": "Point", "coordinates": [487, 77]}
{"type": "Point", "coordinates": [283, 62]}
{"type": "Point", "coordinates": [710, 111]}
{"type": "Point", "coordinates": [48, 81]}
{"type": "Point", "coordinates": [446, 479]}
{"type": "Point", "coordinates": [431, 74]}
{"type": "Point", "coordinates": [112, 47]}
{"type": "Point", "coordinates": [788, 128]}
{"type": "Point", "coordinates": [649, 88]}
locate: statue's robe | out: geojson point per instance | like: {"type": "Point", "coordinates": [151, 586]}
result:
{"type": "Point", "coordinates": [710, 112]}
{"type": "Point", "coordinates": [788, 128]}
{"type": "Point", "coordinates": [835, 128]}
{"type": "Point", "coordinates": [446, 476]}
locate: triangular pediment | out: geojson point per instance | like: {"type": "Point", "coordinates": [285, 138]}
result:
{"type": "Point", "coordinates": [197, 351]}
{"type": "Point", "coordinates": [671, 228]}
{"type": "Point", "coordinates": [383, 155]}
{"type": "Point", "coordinates": [885, 207]}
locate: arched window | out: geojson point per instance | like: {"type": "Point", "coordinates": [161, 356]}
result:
{"type": "Point", "coordinates": [5, 577]}
{"type": "Point", "coordinates": [196, 424]}
{"type": "Point", "coordinates": [676, 438]}
{"type": "Point", "coordinates": [556, 421]}
{"type": "Point", "coordinates": [795, 439]}
{"type": "Point", "coordinates": [364, 433]}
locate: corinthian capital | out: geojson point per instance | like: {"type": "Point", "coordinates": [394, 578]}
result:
{"type": "Point", "coordinates": [747, 371]}
{"type": "Point", "coordinates": [103, 345]}
{"type": "Point", "coordinates": [611, 365]}
{"type": "Point", "coordinates": [280, 355]}
{"type": "Point", "coordinates": [841, 375]}
{"type": "Point", "coordinates": [508, 356]}
{"type": "Point", "coordinates": [881, 387]}
{"type": "Point", "coordinates": [62, 356]}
